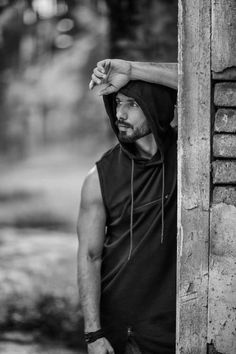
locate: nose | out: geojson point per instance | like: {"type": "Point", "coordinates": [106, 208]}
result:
{"type": "Point", "coordinates": [121, 112]}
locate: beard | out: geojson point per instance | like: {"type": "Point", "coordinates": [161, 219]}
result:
{"type": "Point", "coordinates": [136, 134]}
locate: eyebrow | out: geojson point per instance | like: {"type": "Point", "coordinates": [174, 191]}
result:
{"type": "Point", "coordinates": [128, 100]}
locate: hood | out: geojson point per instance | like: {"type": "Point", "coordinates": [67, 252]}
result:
{"type": "Point", "coordinates": [157, 103]}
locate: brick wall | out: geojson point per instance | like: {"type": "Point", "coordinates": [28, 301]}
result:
{"type": "Point", "coordinates": [206, 252]}
{"type": "Point", "coordinates": [224, 143]}
{"type": "Point", "coordinates": [222, 257]}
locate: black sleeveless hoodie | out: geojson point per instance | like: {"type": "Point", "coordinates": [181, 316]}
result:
{"type": "Point", "coordinates": [139, 257]}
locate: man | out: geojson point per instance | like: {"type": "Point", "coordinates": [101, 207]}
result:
{"type": "Point", "coordinates": [127, 220]}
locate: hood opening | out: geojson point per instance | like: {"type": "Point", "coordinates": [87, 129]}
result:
{"type": "Point", "coordinates": [157, 103]}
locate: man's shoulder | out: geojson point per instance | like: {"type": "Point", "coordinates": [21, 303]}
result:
{"type": "Point", "coordinates": [90, 192]}
{"type": "Point", "coordinates": [109, 153]}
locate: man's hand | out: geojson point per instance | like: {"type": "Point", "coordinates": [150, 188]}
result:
{"type": "Point", "coordinates": [100, 346]}
{"type": "Point", "coordinates": [114, 73]}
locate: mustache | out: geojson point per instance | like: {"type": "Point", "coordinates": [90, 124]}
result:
{"type": "Point", "coordinates": [124, 124]}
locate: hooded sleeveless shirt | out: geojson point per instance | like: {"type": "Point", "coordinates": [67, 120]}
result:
{"type": "Point", "coordinates": [138, 292]}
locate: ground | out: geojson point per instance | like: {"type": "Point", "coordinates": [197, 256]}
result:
{"type": "Point", "coordinates": [18, 343]}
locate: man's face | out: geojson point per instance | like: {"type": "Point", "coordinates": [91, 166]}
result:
{"type": "Point", "coordinates": [131, 121]}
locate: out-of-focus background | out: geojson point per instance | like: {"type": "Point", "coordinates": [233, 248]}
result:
{"type": "Point", "coordinates": [52, 130]}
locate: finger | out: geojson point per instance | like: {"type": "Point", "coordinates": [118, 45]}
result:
{"type": "Point", "coordinates": [96, 80]}
{"type": "Point", "coordinates": [97, 72]}
{"type": "Point", "coordinates": [107, 66]}
{"type": "Point", "coordinates": [91, 85]}
{"type": "Point", "coordinates": [103, 64]}
{"type": "Point", "coordinates": [101, 69]}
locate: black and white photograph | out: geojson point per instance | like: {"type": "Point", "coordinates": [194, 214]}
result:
{"type": "Point", "coordinates": [117, 177]}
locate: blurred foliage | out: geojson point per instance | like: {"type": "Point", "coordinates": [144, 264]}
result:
{"type": "Point", "coordinates": [143, 30]}
{"type": "Point", "coordinates": [46, 56]}
{"type": "Point", "coordinates": [48, 49]}
{"type": "Point", "coordinates": [38, 285]}
{"type": "Point", "coordinates": [52, 317]}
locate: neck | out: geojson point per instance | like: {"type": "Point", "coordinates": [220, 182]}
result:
{"type": "Point", "coordinates": [146, 146]}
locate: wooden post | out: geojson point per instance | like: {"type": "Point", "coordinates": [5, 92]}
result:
{"type": "Point", "coordinates": [194, 114]}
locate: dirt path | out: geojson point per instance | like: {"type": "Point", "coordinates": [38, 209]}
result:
{"type": "Point", "coordinates": [36, 262]}
{"type": "Point", "coordinates": [12, 348]}
{"type": "Point", "coordinates": [21, 343]}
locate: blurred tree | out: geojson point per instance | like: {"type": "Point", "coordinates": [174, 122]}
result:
{"type": "Point", "coordinates": [10, 29]}
{"type": "Point", "coordinates": [34, 32]}
{"type": "Point", "coordinates": [25, 37]}
{"type": "Point", "coordinates": [143, 30]}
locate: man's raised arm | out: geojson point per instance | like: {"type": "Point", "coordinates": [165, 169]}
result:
{"type": "Point", "coordinates": [91, 232]}
{"type": "Point", "coordinates": [115, 73]}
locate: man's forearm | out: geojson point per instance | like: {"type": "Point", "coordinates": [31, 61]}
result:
{"type": "Point", "coordinates": [116, 73]}
{"type": "Point", "coordinates": [159, 73]}
{"type": "Point", "coordinates": [89, 281]}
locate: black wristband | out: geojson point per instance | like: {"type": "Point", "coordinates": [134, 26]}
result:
{"type": "Point", "coordinates": [91, 337]}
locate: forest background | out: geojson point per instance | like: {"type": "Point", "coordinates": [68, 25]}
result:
{"type": "Point", "coordinates": [52, 130]}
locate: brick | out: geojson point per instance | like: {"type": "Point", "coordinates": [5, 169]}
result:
{"type": "Point", "coordinates": [224, 172]}
{"type": "Point", "coordinates": [224, 145]}
{"type": "Point", "coordinates": [224, 194]}
{"type": "Point", "coordinates": [225, 94]}
{"type": "Point", "coordinates": [225, 121]}
{"type": "Point", "coordinates": [223, 44]}
{"type": "Point", "coordinates": [227, 74]}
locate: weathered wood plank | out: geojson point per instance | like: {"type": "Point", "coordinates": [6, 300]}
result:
{"type": "Point", "coordinates": [224, 145]}
{"type": "Point", "coordinates": [224, 194]}
{"type": "Point", "coordinates": [222, 282]}
{"type": "Point", "coordinates": [193, 175]}
{"type": "Point", "coordinates": [223, 34]}
{"type": "Point", "coordinates": [225, 121]}
{"type": "Point", "coordinates": [225, 94]}
{"type": "Point", "coordinates": [224, 172]}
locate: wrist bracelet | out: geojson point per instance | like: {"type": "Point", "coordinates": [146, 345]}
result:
{"type": "Point", "coordinates": [91, 337]}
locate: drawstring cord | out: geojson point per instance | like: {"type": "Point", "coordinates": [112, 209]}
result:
{"type": "Point", "coordinates": [163, 203]}
{"type": "Point", "coordinates": [131, 208]}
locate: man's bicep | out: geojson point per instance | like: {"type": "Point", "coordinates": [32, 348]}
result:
{"type": "Point", "coordinates": [92, 218]}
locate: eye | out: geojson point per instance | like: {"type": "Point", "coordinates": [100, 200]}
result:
{"type": "Point", "coordinates": [134, 104]}
{"type": "Point", "coordinates": [118, 102]}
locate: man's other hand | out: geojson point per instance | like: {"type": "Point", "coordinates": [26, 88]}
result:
{"type": "Point", "coordinates": [112, 73]}
{"type": "Point", "coordinates": [100, 346]}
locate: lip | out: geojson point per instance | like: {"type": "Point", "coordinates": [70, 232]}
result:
{"type": "Point", "coordinates": [123, 126]}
